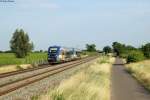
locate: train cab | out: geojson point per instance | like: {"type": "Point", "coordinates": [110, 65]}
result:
{"type": "Point", "coordinates": [53, 53]}
{"type": "Point", "coordinates": [57, 54]}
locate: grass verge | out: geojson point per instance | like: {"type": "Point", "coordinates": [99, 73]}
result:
{"type": "Point", "coordinates": [141, 71]}
{"type": "Point", "coordinates": [10, 68]}
{"type": "Point", "coordinates": [92, 83]}
{"type": "Point", "coordinates": [8, 61]}
{"type": "Point", "coordinates": [32, 58]}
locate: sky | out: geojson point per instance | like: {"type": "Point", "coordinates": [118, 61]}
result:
{"type": "Point", "coordinates": [74, 23]}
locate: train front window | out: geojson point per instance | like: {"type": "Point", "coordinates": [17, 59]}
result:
{"type": "Point", "coordinates": [53, 50]}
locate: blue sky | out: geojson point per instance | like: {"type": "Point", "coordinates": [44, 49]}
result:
{"type": "Point", "coordinates": [73, 23]}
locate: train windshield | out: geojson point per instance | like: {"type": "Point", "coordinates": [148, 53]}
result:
{"type": "Point", "coordinates": [53, 50]}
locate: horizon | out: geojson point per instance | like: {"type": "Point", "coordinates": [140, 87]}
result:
{"type": "Point", "coordinates": [76, 23]}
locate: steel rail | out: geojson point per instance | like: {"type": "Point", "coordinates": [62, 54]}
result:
{"type": "Point", "coordinates": [7, 74]}
{"type": "Point", "coordinates": [41, 72]}
{"type": "Point", "coordinates": [24, 82]}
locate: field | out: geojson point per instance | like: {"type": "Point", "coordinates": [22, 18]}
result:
{"type": "Point", "coordinates": [32, 58]}
{"type": "Point", "coordinates": [92, 83]}
{"type": "Point", "coordinates": [141, 71]}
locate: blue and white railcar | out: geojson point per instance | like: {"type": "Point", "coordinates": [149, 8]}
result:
{"type": "Point", "coordinates": [58, 54]}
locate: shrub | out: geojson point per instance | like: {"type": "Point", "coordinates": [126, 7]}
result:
{"type": "Point", "coordinates": [146, 50]}
{"type": "Point", "coordinates": [135, 56]}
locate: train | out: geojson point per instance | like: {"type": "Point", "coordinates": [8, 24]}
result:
{"type": "Point", "coordinates": [59, 54]}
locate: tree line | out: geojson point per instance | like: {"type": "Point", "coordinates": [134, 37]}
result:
{"type": "Point", "coordinates": [131, 53]}
{"type": "Point", "coordinates": [21, 45]}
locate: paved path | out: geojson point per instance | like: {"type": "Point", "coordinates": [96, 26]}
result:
{"type": "Point", "coordinates": [124, 86]}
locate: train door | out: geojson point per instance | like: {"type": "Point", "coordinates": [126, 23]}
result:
{"type": "Point", "coordinates": [63, 55]}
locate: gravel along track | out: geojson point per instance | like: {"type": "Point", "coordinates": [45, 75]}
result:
{"type": "Point", "coordinates": [8, 78]}
{"type": "Point", "coordinates": [23, 71]}
{"type": "Point", "coordinates": [124, 86]}
{"type": "Point", "coordinates": [7, 74]}
{"type": "Point", "coordinates": [21, 83]}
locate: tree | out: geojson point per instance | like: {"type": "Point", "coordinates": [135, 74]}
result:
{"type": "Point", "coordinates": [122, 50]}
{"type": "Point", "coordinates": [91, 47]}
{"type": "Point", "coordinates": [129, 47]}
{"type": "Point", "coordinates": [107, 49]}
{"type": "Point", "coordinates": [146, 50]}
{"type": "Point", "coordinates": [118, 48]}
{"type": "Point", "coordinates": [20, 43]}
{"type": "Point", "coordinates": [41, 50]}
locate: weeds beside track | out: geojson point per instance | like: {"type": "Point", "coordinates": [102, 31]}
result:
{"type": "Point", "coordinates": [28, 80]}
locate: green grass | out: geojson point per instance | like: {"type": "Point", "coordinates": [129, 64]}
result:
{"type": "Point", "coordinates": [32, 58]}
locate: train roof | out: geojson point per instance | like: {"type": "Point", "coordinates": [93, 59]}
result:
{"type": "Point", "coordinates": [65, 48]}
{"type": "Point", "coordinates": [54, 46]}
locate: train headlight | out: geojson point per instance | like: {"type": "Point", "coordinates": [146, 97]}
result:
{"type": "Point", "coordinates": [60, 56]}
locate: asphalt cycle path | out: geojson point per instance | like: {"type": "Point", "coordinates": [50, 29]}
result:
{"type": "Point", "coordinates": [124, 86]}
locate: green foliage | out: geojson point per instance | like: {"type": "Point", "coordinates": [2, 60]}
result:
{"type": "Point", "coordinates": [135, 56]}
{"type": "Point", "coordinates": [146, 50]}
{"type": "Point", "coordinates": [118, 48]}
{"type": "Point", "coordinates": [107, 49]}
{"type": "Point", "coordinates": [91, 47]}
{"type": "Point", "coordinates": [32, 58]}
{"type": "Point", "coordinates": [58, 96]}
{"type": "Point", "coordinates": [131, 53]}
{"type": "Point", "coordinates": [122, 50]}
{"type": "Point", "coordinates": [20, 43]}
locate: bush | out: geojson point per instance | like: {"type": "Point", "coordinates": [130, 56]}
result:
{"type": "Point", "coordinates": [146, 50]}
{"type": "Point", "coordinates": [135, 56]}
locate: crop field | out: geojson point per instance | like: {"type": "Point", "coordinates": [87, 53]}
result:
{"type": "Point", "coordinates": [92, 83]}
{"type": "Point", "coordinates": [141, 71]}
{"type": "Point", "coordinates": [32, 58]}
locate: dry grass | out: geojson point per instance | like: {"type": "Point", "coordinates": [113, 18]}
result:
{"type": "Point", "coordinates": [111, 60]}
{"type": "Point", "coordinates": [141, 71]}
{"type": "Point", "coordinates": [10, 68]}
{"type": "Point", "coordinates": [92, 83]}
{"type": "Point", "coordinates": [106, 59]}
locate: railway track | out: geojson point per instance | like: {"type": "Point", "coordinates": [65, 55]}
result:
{"type": "Point", "coordinates": [7, 74]}
{"type": "Point", "coordinates": [14, 85]}
{"type": "Point", "coordinates": [23, 71]}
{"type": "Point", "coordinates": [8, 78]}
